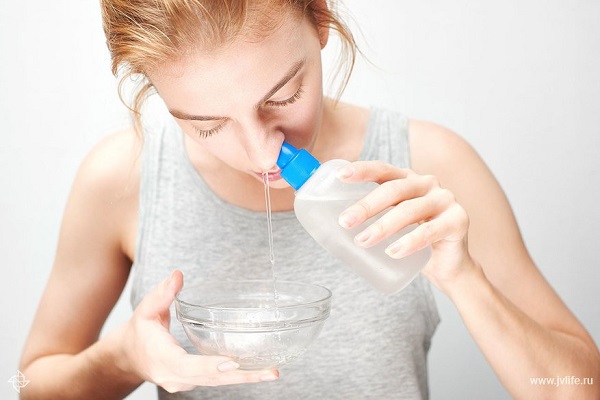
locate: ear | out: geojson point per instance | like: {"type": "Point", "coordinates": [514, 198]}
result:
{"type": "Point", "coordinates": [320, 12]}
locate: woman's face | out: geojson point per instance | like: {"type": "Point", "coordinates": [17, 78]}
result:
{"type": "Point", "coordinates": [238, 103]}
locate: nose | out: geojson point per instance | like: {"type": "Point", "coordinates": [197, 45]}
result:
{"type": "Point", "coordinates": [262, 144]}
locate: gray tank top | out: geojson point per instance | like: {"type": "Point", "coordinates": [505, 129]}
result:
{"type": "Point", "coordinates": [373, 346]}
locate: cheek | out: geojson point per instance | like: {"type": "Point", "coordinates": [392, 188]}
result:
{"type": "Point", "coordinates": [215, 147]}
{"type": "Point", "coordinates": [302, 125]}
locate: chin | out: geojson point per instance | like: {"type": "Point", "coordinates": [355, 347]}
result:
{"type": "Point", "coordinates": [279, 184]}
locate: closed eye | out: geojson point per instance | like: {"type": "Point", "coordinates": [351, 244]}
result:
{"type": "Point", "coordinates": [286, 102]}
{"type": "Point", "coordinates": [204, 133]}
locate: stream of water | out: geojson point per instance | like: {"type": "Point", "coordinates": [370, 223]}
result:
{"type": "Point", "coordinates": [270, 233]}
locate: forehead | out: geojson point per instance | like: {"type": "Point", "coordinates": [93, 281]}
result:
{"type": "Point", "coordinates": [245, 64]}
{"type": "Point", "coordinates": [221, 81]}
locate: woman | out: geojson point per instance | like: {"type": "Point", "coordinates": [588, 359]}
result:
{"type": "Point", "coordinates": [186, 191]}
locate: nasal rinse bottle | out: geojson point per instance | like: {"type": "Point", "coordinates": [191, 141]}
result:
{"type": "Point", "coordinates": [320, 199]}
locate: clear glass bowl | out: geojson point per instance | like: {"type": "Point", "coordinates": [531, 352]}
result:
{"type": "Point", "coordinates": [260, 324]}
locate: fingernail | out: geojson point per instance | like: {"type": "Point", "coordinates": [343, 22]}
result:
{"type": "Point", "coordinates": [270, 377]}
{"type": "Point", "coordinates": [345, 172]}
{"type": "Point", "coordinates": [228, 366]}
{"type": "Point", "coordinates": [394, 250]}
{"type": "Point", "coordinates": [363, 236]}
{"type": "Point", "coordinates": [346, 219]}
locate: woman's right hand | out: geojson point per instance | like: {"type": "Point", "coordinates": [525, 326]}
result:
{"type": "Point", "coordinates": [151, 353]}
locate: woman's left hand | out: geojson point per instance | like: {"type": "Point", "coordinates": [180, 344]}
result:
{"type": "Point", "coordinates": [416, 199]}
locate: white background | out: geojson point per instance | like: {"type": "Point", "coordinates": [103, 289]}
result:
{"type": "Point", "coordinates": [520, 80]}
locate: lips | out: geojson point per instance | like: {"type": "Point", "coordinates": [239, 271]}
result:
{"type": "Point", "coordinates": [271, 176]}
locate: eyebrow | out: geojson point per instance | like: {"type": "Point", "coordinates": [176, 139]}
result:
{"type": "Point", "coordinates": [281, 83]}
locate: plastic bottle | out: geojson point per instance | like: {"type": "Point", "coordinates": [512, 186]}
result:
{"type": "Point", "coordinates": [320, 199]}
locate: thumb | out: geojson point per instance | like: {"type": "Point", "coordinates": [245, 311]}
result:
{"type": "Point", "coordinates": [157, 302]}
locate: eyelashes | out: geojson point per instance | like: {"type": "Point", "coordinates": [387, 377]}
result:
{"type": "Point", "coordinates": [286, 102]}
{"type": "Point", "coordinates": [204, 133]}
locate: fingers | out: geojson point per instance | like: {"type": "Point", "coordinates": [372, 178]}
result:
{"type": "Point", "coordinates": [185, 372]}
{"type": "Point", "coordinates": [411, 199]}
{"type": "Point", "coordinates": [450, 226]}
{"type": "Point", "coordinates": [176, 370]}
{"type": "Point", "coordinates": [218, 370]}
{"type": "Point", "coordinates": [389, 193]}
{"type": "Point", "coordinates": [160, 298]}
{"type": "Point", "coordinates": [406, 213]}
{"type": "Point", "coordinates": [372, 171]}
{"type": "Point", "coordinates": [160, 359]}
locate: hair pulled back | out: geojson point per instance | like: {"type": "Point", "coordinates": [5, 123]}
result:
{"type": "Point", "coordinates": [143, 34]}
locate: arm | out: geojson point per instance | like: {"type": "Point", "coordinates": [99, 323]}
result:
{"type": "Point", "coordinates": [479, 261]}
{"type": "Point", "coordinates": [64, 357]}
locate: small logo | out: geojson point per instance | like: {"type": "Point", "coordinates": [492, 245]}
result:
{"type": "Point", "coordinates": [18, 381]}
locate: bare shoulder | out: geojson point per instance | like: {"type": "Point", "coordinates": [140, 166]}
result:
{"type": "Point", "coordinates": [112, 166]}
{"type": "Point", "coordinates": [437, 150]}
{"type": "Point", "coordinates": [434, 148]}
{"type": "Point", "coordinates": [107, 184]}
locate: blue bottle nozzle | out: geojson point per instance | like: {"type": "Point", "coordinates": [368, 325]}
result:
{"type": "Point", "coordinates": [296, 165]}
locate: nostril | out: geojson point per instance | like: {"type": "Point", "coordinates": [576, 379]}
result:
{"type": "Point", "coordinates": [263, 154]}
{"type": "Point", "coordinates": [272, 170]}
